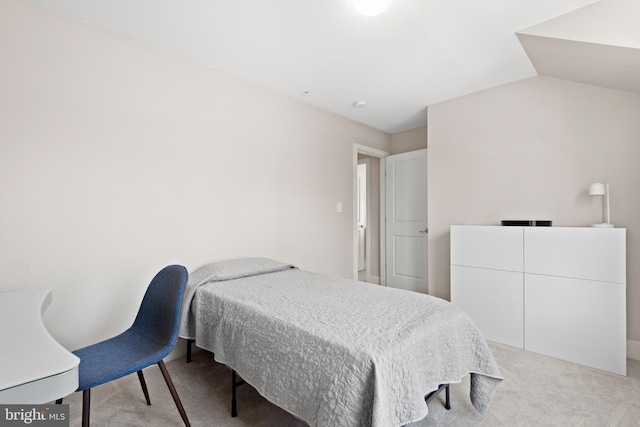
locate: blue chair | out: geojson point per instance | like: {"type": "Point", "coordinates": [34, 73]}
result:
{"type": "Point", "coordinates": [151, 338]}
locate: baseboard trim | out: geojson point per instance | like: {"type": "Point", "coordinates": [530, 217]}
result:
{"type": "Point", "coordinates": [633, 350]}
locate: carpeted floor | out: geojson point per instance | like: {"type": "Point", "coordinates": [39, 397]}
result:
{"type": "Point", "coordinates": [537, 391]}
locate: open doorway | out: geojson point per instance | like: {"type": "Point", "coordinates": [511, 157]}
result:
{"type": "Point", "coordinates": [366, 213]}
{"type": "Point", "coordinates": [363, 200]}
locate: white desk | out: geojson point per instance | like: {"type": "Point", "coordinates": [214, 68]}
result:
{"type": "Point", "coordinates": [34, 367]}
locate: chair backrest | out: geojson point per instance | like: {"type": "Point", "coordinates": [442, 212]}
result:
{"type": "Point", "coordinates": [159, 315]}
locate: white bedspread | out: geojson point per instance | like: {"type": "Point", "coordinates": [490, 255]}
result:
{"type": "Point", "coordinates": [337, 352]}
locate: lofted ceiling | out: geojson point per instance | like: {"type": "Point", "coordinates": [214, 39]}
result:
{"type": "Point", "coordinates": [598, 44]}
{"type": "Point", "coordinates": [418, 52]}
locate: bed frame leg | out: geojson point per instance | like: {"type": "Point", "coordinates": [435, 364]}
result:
{"type": "Point", "coordinates": [447, 398]}
{"type": "Point", "coordinates": [189, 343]}
{"type": "Point", "coordinates": [234, 385]}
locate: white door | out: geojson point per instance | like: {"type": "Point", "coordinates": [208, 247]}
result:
{"type": "Point", "coordinates": [406, 221]}
{"type": "Point", "coordinates": [362, 213]}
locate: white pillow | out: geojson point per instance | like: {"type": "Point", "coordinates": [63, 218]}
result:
{"type": "Point", "coordinates": [235, 269]}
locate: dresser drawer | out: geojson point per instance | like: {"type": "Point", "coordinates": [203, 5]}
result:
{"type": "Point", "coordinates": [499, 248]}
{"type": "Point", "coordinates": [581, 253]}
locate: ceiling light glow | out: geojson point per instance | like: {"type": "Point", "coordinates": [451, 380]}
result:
{"type": "Point", "coordinates": [371, 7]}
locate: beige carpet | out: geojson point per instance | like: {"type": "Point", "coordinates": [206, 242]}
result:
{"type": "Point", "coordinates": [537, 391]}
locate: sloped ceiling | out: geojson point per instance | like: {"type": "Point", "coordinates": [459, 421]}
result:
{"type": "Point", "coordinates": [418, 52]}
{"type": "Point", "coordinates": [598, 44]}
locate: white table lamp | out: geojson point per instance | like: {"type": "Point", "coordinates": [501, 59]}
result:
{"type": "Point", "coordinates": [599, 189]}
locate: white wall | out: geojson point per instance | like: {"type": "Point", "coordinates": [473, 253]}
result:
{"type": "Point", "coordinates": [118, 159]}
{"type": "Point", "coordinates": [409, 140]}
{"type": "Point", "coordinates": [531, 149]}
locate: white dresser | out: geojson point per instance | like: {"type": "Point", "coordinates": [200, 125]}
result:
{"type": "Point", "coordinates": [559, 291]}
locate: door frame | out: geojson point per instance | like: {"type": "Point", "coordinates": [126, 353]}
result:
{"type": "Point", "coordinates": [372, 152]}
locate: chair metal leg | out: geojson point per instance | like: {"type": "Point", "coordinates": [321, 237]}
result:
{"type": "Point", "coordinates": [174, 393]}
{"type": "Point", "coordinates": [143, 383]}
{"type": "Point", "coordinates": [86, 407]}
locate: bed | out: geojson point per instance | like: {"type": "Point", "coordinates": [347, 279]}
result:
{"type": "Point", "coordinates": [334, 351]}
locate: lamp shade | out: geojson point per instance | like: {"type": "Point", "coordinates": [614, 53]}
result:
{"type": "Point", "coordinates": [371, 7]}
{"type": "Point", "coordinates": [597, 189]}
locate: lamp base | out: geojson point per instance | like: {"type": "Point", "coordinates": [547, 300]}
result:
{"type": "Point", "coordinates": [603, 225]}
